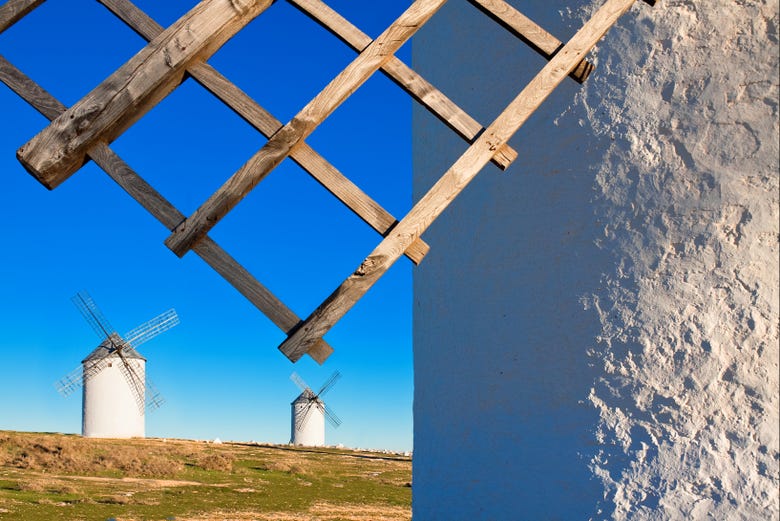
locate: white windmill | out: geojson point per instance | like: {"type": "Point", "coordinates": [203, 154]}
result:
{"type": "Point", "coordinates": [309, 413]}
{"type": "Point", "coordinates": [116, 392]}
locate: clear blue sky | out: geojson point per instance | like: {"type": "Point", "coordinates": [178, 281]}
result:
{"type": "Point", "coordinates": [219, 370]}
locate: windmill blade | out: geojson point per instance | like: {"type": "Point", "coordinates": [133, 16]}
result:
{"type": "Point", "coordinates": [154, 399]}
{"type": "Point", "coordinates": [152, 328]}
{"type": "Point", "coordinates": [93, 367]}
{"type": "Point", "coordinates": [299, 382]}
{"type": "Point", "coordinates": [68, 384]}
{"type": "Point", "coordinates": [329, 383]}
{"type": "Point", "coordinates": [330, 415]}
{"type": "Point", "coordinates": [134, 381]}
{"type": "Point", "coordinates": [92, 314]}
{"type": "Point", "coordinates": [302, 418]}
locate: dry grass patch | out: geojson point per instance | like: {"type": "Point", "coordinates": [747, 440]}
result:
{"type": "Point", "coordinates": [72, 455]}
{"type": "Point", "coordinates": [321, 511]}
{"type": "Point", "coordinates": [50, 476]}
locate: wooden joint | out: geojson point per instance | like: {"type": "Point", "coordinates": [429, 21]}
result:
{"type": "Point", "coordinates": [454, 180]}
{"type": "Point", "coordinates": [415, 85]}
{"type": "Point", "coordinates": [60, 149]}
{"type": "Point", "coordinates": [529, 32]}
{"type": "Point", "coordinates": [292, 135]}
{"type": "Point", "coordinates": [245, 107]}
{"type": "Point", "coordinates": [165, 212]}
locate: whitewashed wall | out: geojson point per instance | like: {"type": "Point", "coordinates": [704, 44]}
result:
{"type": "Point", "coordinates": [596, 330]}
{"type": "Point", "coordinates": [109, 408]}
{"type": "Point", "coordinates": [311, 432]}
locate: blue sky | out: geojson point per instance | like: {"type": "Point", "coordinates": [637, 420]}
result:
{"type": "Point", "coordinates": [219, 370]}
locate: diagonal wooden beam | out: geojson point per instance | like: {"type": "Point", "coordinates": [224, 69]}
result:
{"type": "Point", "coordinates": [315, 165]}
{"type": "Point", "coordinates": [293, 133]}
{"type": "Point", "coordinates": [60, 149]}
{"type": "Point", "coordinates": [453, 181]}
{"type": "Point", "coordinates": [418, 87]}
{"type": "Point", "coordinates": [163, 210]}
{"type": "Point", "coordinates": [532, 34]}
{"type": "Point", "coordinates": [14, 10]}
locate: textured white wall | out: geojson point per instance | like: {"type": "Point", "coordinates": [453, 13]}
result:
{"type": "Point", "coordinates": [596, 330]}
{"type": "Point", "coordinates": [312, 431]}
{"type": "Point", "coordinates": [109, 408]}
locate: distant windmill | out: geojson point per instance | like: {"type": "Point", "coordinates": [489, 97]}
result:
{"type": "Point", "coordinates": [309, 413]}
{"type": "Point", "coordinates": [116, 392]}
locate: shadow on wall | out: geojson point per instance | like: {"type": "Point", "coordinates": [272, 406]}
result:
{"type": "Point", "coordinates": [502, 340]}
{"type": "Point", "coordinates": [595, 330]}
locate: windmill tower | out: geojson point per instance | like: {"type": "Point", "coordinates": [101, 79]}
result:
{"type": "Point", "coordinates": [309, 413]}
{"type": "Point", "coordinates": [116, 392]}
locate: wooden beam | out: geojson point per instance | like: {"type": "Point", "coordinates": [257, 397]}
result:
{"type": "Point", "coordinates": [163, 210]}
{"type": "Point", "coordinates": [14, 10]}
{"type": "Point", "coordinates": [293, 133]}
{"type": "Point", "coordinates": [29, 91]}
{"type": "Point", "coordinates": [453, 181]}
{"type": "Point", "coordinates": [524, 28]}
{"type": "Point", "coordinates": [420, 89]}
{"type": "Point", "coordinates": [60, 149]}
{"type": "Point", "coordinates": [238, 101]}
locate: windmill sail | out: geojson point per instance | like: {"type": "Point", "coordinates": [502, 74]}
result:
{"type": "Point", "coordinates": [154, 399]}
{"type": "Point", "coordinates": [313, 400]}
{"type": "Point", "coordinates": [299, 382]}
{"type": "Point", "coordinates": [115, 349]}
{"type": "Point", "coordinates": [152, 328]}
{"type": "Point", "coordinates": [330, 415]}
{"type": "Point", "coordinates": [303, 417]}
{"type": "Point", "coordinates": [329, 383]}
{"type": "Point", "coordinates": [135, 381]}
{"type": "Point", "coordinates": [71, 382]}
{"type": "Point", "coordinates": [92, 314]}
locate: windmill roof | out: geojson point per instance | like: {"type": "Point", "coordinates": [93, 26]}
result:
{"type": "Point", "coordinates": [306, 396]}
{"type": "Point", "coordinates": [106, 348]}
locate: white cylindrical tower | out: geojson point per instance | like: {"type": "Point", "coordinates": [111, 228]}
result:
{"type": "Point", "coordinates": [597, 328]}
{"type": "Point", "coordinates": [110, 403]}
{"type": "Point", "coordinates": [308, 420]}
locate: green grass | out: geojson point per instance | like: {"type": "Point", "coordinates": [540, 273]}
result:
{"type": "Point", "coordinates": [52, 476]}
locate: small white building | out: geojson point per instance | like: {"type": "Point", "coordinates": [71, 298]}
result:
{"type": "Point", "coordinates": [308, 420]}
{"type": "Point", "coordinates": [110, 406]}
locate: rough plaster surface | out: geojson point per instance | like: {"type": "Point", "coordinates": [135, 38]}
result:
{"type": "Point", "coordinates": [596, 330]}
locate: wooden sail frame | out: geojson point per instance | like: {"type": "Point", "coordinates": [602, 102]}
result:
{"type": "Point", "coordinates": [83, 131]}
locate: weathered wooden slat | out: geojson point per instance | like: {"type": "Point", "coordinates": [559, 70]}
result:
{"type": "Point", "coordinates": [314, 164]}
{"type": "Point", "coordinates": [328, 176]}
{"type": "Point", "coordinates": [14, 10]}
{"type": "Point", "coordinates": [527, 30]}
{"type": "Point", "coordinates": [419, 88]}
{"type": "Point", "coordinates": [453, 181]}
{"type": "Point", "coordinates": [163, 210]}
{"type": "Point", "coordinates": [293, 133]}
{"type": "Point", "coordinates": [60, 149]}
{"type": "Point", "coordinates": [29, 91]}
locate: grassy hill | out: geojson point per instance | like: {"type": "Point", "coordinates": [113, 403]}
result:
{"type": "Point", "coordinates": [45, 477]}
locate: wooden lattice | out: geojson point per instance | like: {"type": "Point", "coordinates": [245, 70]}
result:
{"type": "Point", "coordinates": [84, 131]}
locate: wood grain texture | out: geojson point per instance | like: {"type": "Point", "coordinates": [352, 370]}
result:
{"type": "Point", "coordinates": [453, 181]}
{"type": "Point", "coordinates": [527, 30]}
{"type": "Point", "coordinates": [14, 10]}
{"type": "Point", "coordinates": [315, 165]}
{"type": "Point", "coordinates": [420, 89]}
{"type": "Point", "coordinates": [29, 91]}
{"type": "Point", "coordinates": [163, 210]}
{"type": "Point", "coordinates": [60, 149]}
{"type": "Point", "coordinates": [293, 133]}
